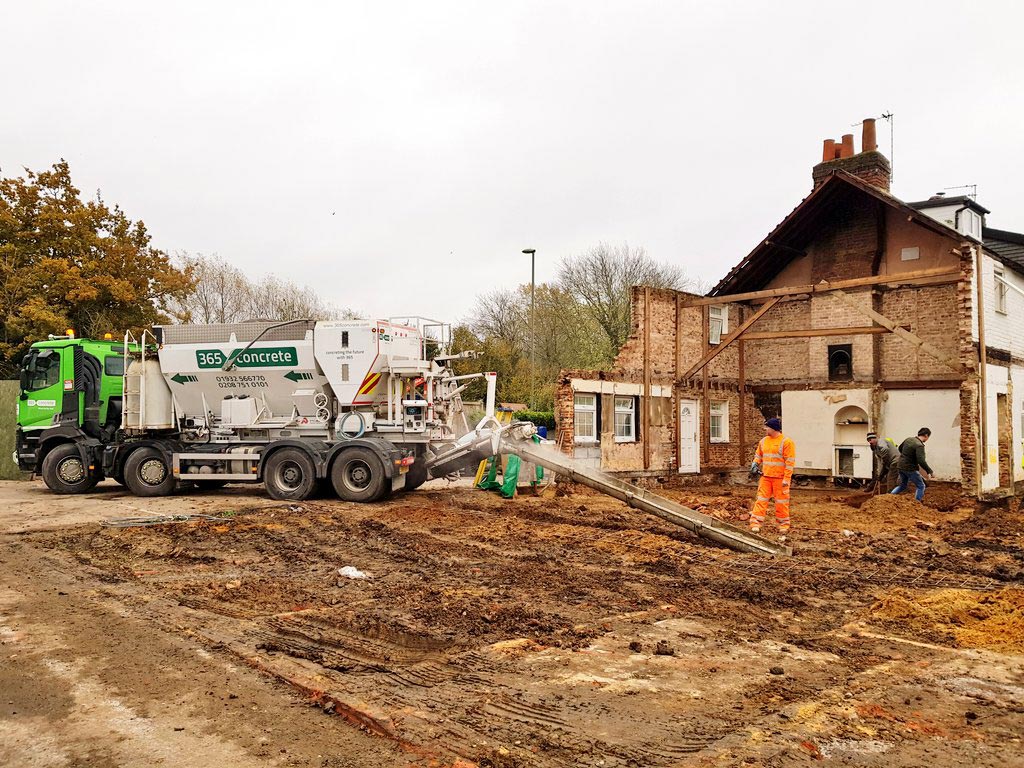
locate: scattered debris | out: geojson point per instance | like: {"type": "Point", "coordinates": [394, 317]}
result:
{"type": "Point", "coordinates": [351, 572]}
{"type": "Point", "coordinates": [134, 522]}
{"type": "Point", "coordinates": [777, 671]}
{"type": "Point", "coordinates": [664, 649]}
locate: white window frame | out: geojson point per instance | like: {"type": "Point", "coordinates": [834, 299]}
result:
{"type": "Point", "coordinates": [912, 253]}
{"type": "Point", "coordinates": [624, 405]}
{"type": "Point", "coordinates": [718, 314]}
{"type": "Point", "coordinates": [578, 408]}
{"type": "Point", "coordinates": [719, 409]}
{"type": "Point", "coordinates": [1001, 289]}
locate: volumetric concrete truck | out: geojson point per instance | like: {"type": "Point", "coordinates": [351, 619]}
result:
{"type": "Point", "coordinates": [360, 406]}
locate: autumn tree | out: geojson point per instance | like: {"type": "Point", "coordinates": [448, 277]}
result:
{"type": "Point", "coordinates": [600, 281]}
{"type": "Point", "coordinates": [580, 321]}
{"type": "Point", "coordinates": [222, 293]}
{"type": "Point", "coordinates": [66, 262]}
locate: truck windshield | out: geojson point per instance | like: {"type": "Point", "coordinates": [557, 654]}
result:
{"type": "Point", "coordinates": [40, 369]}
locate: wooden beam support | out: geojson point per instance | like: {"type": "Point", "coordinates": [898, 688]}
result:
{"type": "Point", "coordinates": [905, 278]}
{"type": "Point", "coordinates": [906, 335]}
{"type": "Point", "coordinates": [982, 457]}
{"type": "Point", "coordinates": [645, 401]}
{"type": "Point", "coordinates": [742, 386]}
{"type": "Point", "coordinates": [730, 338]}
{"type": "Point", "coordinates": [852, 331]}
{"type": "Point", "coordinates": [705, 402]}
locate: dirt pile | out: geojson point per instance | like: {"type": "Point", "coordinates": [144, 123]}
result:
{"type": "Point", "coordinates": [886, 512]}
{"type": "Point", "coordinates": [964, 619]}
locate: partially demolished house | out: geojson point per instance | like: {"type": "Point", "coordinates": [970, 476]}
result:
{"type": "Point", "coordinates": [858, 312]}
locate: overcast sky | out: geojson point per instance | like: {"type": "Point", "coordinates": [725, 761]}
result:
{"type": "Point", "coordinates": [399, 156]}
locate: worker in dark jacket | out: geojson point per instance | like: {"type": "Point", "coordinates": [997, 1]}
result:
{"type": "Point", "coordinates": [886, 457]}
{"type": "Point", "coordinates": [912, 463]}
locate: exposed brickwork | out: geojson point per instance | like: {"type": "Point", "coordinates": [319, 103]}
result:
{"type": "Point", "coordinates": [968, 356]}
{"type": "Point", "coordinates": [872, 167]}
{"type": "Point", "coordinates": [845, 247]}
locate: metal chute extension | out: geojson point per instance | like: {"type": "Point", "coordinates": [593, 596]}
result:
{"type": "Point", "coordinates": [491, 438]}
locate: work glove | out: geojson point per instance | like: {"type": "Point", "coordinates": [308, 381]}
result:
{"type": "Point", "coordinates": [755, 468]}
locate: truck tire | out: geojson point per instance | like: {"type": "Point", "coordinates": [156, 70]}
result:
{"type": "Point", "coordinates": [148, 473]}
{"type": "Point", "coordinates": [417, 474]}
{"type": "Point", "coordinates": [290, 475]}
{"type": "Point", "coordinates": [64, 471]}
{"type": "Point", "coordinates": [358, 475]}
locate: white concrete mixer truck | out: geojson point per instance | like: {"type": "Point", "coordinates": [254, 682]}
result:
{"type": "Point", "coordinates": [357, 406]}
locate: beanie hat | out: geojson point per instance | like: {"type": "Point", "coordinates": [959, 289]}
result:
{"type": "Point", "coordinates": [775, 424]}
{"type": "Point", "coordinates": [872, 435]}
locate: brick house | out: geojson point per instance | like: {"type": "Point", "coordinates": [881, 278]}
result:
{"type": "Point", "coordinates": [857, 312]}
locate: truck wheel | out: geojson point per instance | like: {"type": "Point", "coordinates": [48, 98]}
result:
{"type": "Point", "coordinates": [64, 471]}
{"type": "Point", "coordinates": [358, 475]}
{"type": "Point", "coordinates": [417, 475]}
{"type": "Point", "coordinates": [148, 473]}
{"type": "Point", "coordinates": [290, 475]}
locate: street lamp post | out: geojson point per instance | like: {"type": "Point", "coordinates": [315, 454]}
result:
{"type": "Point", "coordinates": [533, 336]}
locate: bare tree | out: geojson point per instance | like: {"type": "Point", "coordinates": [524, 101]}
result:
{"type": "Point", "coordinates": [225, 294]}
{"type": "Point", "coordinates": [600, 281]}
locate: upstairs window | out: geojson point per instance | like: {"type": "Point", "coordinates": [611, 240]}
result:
{"type": "Point", "coordinates": [840, 362]}
{"type": "Point", "coordinates": [625, 419]}
{"type": "Point", "coordinates": [718, 324]}
{"type": "Point", "coordinates": [585, 417]}
{"type": "Point", "coordinates": [1001, 289]}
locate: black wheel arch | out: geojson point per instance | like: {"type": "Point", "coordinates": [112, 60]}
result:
{"type": "Point", "coordinates": [89, 448]}
{"type": "Point", "coordinates": [114, 457]}
{"type": "Point", "coordinates": [385, 449]}
{"type": "Point", "coordinates": [316, 449]}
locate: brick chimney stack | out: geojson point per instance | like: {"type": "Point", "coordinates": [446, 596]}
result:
{"type": "Point", "coordinates": [869, 164]}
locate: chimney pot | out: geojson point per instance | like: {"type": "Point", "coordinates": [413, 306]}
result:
{"type": "Point", "coordinates": [868, 142]}
{"type": "Point", "coordinates": [828, 151]}
{"type": "Point", "coordinates": [846, 150]}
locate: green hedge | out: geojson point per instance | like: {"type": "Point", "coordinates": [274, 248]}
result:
{"type": "Point", "coordinates": [540, 418]}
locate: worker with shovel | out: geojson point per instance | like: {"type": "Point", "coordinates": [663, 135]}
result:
{"type": "Point", "coordinates": [886, 472]}
{"type": "Point", "coordinates": [774, 462]}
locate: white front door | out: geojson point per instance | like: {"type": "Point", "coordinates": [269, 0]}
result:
{"type": "Point", "coordinates": [689, 455]}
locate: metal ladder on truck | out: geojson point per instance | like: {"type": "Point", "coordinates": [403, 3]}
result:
{"type": "Point", "coordinates": [491, 439]}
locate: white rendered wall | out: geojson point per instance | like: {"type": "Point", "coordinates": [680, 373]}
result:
{"type": "Point", "coordinates": [904, 411]}
{"type": "Point", "coordinates": [808, 418]}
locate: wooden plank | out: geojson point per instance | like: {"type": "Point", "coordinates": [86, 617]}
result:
{"type": "Point", "coordinates": [742, 376]}
{"type": "Point", "coordinates": [982, 456]}
{"type": "Point", "coordinates": [646, 399]}
{"type": "Point", "coordinates": [904, 334]}
{"type": "Point", "coordinates": [805, 332]}
{"type": "Point", "coordinates": [730, 338]}
{"type": "Point", "coordinates": [906, 278]}
{"type": "Point", "coordinates": [705, 403]}
{"type": "Point", "coordinates": [921, 384]}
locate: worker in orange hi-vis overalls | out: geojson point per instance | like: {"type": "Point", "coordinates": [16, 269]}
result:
{"type": "Point", "coordinates": [774, 461]}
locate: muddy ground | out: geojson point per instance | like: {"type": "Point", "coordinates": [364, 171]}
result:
{"type": "Point", "coordinates": [540, 631]}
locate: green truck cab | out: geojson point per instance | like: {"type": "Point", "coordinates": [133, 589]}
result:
{"type": "Point", "coordinates": [69, 407]}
